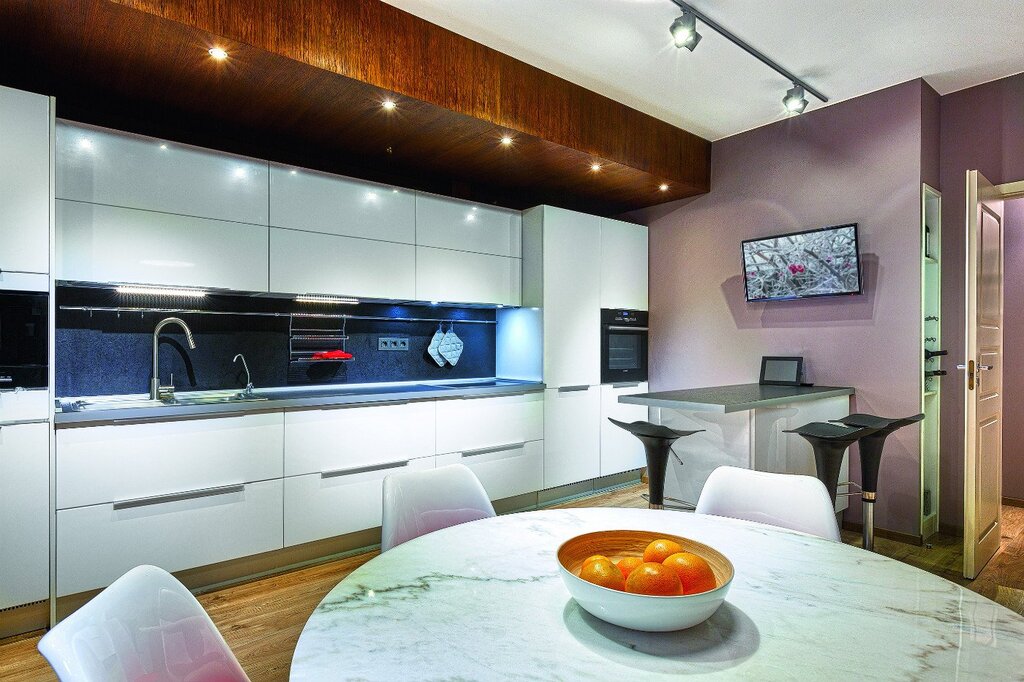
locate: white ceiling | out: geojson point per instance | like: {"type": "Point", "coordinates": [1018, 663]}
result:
{"type": "Point", "coordinates": [845, 48]}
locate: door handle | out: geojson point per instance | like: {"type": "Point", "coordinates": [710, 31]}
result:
{"type": "Point", "coordinates": [569, 389]}
{"type": "Point", "coordinates": [362, 470]}
{"type": "Point", "coordinates": [970, 374]}
{"type": "Point", "coordinates": [495, 448]}
{"type": "Point", "coordinates": [985, 367]}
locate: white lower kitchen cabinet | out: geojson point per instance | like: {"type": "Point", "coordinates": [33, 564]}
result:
{"type": "Point", "coordinates": [99, 543]}
{"type": "Point", "coordinates": [23, 405]}
{"type": "Point", "coordinates": [24, 514]}
{"type": "Point", "coordinates": [338, 439]}
{"type": "Point", "coordinates": [473, 423]}
{"type": "Point", "coordinates": [318, 506]}
{"type": "Point", "coordinates": [621, 450]}
{"type": "Point", "coordinates": [504, 471]}
{"type": "Point", "coordinates": [97, 243]}
{"type": "Point", "coordinates": [464, 277]}
{"type": "Point", "coordinates": [572, 435]}
{"type": "Point", "coordinates": [112, 463]}
{"type": "Point", "coordinates": [313, 263]}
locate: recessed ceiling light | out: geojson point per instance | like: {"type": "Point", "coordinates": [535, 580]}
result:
{"type": "Point", "coordinates": [161, 291]}
{"type": "Point", "coordinates": [218, 53]}
{"type": "Point", "coordinates": [506, 140]}
{"type": "Point", "coordinates": [663, 187]}
{"type": "Point", "coordinates": [388, 105]}
{"type": "Point", "coordinates": [594, 167]}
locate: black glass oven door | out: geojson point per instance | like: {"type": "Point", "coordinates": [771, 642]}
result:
{"type": "Point", "coordinates": [23, 346]}
{"type": "Point", "coordinates": [623, 356]}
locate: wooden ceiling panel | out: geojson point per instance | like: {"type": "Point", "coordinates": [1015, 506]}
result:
{"type": "Point", "coordinates": [308, 93]}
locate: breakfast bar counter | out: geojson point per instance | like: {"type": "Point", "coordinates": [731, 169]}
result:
{"type": "Point", "coordinates": [736, 398]}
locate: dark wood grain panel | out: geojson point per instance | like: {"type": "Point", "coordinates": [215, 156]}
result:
{"type": "Point", "coordinates": [304, 84]}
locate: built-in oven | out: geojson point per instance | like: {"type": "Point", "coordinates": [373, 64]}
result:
{"type": "Point", "coordinates": [23, 340]}
{"type": "Point", "coordinates": [623, 345]}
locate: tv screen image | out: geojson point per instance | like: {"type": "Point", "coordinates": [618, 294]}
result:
{"type": "Point", "coordinates": [822, 262]}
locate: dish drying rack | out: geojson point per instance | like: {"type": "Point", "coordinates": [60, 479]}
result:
{"type": "Point", "coordinates": [309, 339]}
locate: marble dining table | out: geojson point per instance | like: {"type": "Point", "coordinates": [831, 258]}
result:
{"type": "Point", "coordinates": [484, 601]}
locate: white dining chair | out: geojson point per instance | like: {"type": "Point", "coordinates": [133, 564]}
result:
{"type": "Point", "coordinates": [786, 500]}
{"type": "Point", "coordinates": [420, 502]}
{"type": "Point", "coordinates": [145, 626]}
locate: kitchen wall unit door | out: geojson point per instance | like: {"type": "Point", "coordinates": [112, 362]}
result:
{"type": "Point", "coordinates": [463, 277]}
{"type": "Point", "coordinates": [24, 514]}
{"type": "Point", "coordinates": [623, 265]}
{"type": "Point", "coordinates": [313, 263]}
{"type": "Point", "coordinates": [621, 450]}
{"type": "Point", "coordinates": [572, 435]}
{"type": "Point", "coordinates": [451, 224]}
{"type": "Point", "coordinates": [99, 243]}
{"type": "Point", "coordinates": [25, 120]}
{"type": "Point", "coordinates": [318, 202]}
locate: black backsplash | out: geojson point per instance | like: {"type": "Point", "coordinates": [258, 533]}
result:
{"type": "Point", "coordinates": [103, 353]}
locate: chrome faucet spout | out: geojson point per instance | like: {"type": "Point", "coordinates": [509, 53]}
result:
{"type": "Point", "coordinates": [249, 388]}
{"type": "Point", "coordinates": [155, 392]}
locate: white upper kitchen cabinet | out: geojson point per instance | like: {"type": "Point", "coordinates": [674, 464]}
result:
{"type": "Point", "coordinates": [24, 514]}
{"type": "Point", "coordinates": [101, 166]}
{"type": "Point", "coordinates": [463, 277]}
{"type": "Point", "coordinates": [562, 274]}
{"type": "Point", "coordinates": [318, 202]}
{"type": "Point", "coordinates": [99, 243]}
{"type": "Point", "coordinates": [463, 226]}
{"type": "Point", "coordinates": [314, 263]}
{"type": "Point", "coordinates": [25, 120]}
{"type": "Point", "coordinates": [623, 265]}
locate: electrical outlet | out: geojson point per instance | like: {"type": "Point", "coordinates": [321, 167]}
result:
{"type": "Point", "coordinates": [392, 343]}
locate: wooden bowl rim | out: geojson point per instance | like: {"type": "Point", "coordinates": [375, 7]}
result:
{"type": "Point", "coordinates": [656, 536]}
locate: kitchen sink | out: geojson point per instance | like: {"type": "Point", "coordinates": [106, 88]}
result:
{"type": "Point", "coordinates": [214, 399]}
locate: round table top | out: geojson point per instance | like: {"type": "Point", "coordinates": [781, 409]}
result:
{"type": "Point", "coordinates": [484, 601]}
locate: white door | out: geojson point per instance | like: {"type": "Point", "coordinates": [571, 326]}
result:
{"type": "Point", "coordinates": [623, 265]}
{"type": "Point", "coordinates": [621, 450]}
{"type": "Point", "coordinates": [24, 181]}
{"type": "Point", "coordinates": [24, 514]}
{"type": "Point", "coordinates": [572, 435]}
{"type": "Point", "coordinates": [984, 366]}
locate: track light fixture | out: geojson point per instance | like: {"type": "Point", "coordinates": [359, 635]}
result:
{"type": "Point", "coordinates": [684, 34]}
{"type": "Point", "coordinates": [794, 101]}
{"type": "Point", "coordinates": [684, 31]}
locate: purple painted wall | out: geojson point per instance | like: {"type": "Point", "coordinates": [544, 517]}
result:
{"type": "Point", "coordinates": [982, 128]}
{"type": "Point", "coordinates": [1013, 348]}
{"type": "Point", "coordinates": [857, 161]}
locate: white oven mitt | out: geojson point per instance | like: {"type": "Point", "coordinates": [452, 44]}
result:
{"type": "Point", "coordinates": [451, 347]}
{"type": "Point", "coordinates": [435, 344]}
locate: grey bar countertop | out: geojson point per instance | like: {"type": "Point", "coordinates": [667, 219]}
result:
{"type": "Point", "coordinates": [735, 398]}
{"type": "Point", "coordinates": [139, 409]}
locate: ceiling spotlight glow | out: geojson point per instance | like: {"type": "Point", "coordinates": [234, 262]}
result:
{"type": "Point", "coordinates": [161, 291]}
{"type": "Point", "coordinates": [794, 101]}
{"type": "Point", "coordinates": [663, 187]}
{"type": "Point", "coordinates": [684, 31]}
{"type": "Point", "coordinates": [218, 53]}
{"type": "Point", "coordinates": [506, 140]}
{"type": "Point", "coordinates": [594, 167]}
{"type": "Point", "coordinates": [321, 298]}
{"type": "Point", "coordinates": [388, 105]}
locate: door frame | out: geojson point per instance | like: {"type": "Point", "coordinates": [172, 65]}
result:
{"type": "Point", "coordinates": [1002, 192]}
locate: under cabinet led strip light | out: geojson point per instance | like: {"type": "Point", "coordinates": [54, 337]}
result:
{"type": "Point", "coordinates": [321, 298]}
{"type": "Point", "coordinates": [161, 291]}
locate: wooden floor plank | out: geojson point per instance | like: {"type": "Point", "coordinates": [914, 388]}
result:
{"type": "Point", "coordinates": [261, 619]}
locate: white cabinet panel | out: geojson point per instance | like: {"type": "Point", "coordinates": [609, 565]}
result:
{"type": "Point", "coordinates": [621, 450]}
{"type": "Point", "coordinates": [461, 277]}
{"type": "Point", "coordinates": [623, 265]}
{"type": "Point", "coordinates": [109, 167]}
{"type": "Point", "coordinates": [24, 514]}
{"type": "Point", "coordinates": [124, 462]}
{"type": "Point", "coordinates": [24, 181]}
{"type": "Point", "coordinates": [311, 263]}
{"type": "Point", "coordinates": [504, 472]}
{"type": "Point", "coordinates": [463, 226]}
{"type": "Point", "coordinates": [572, 435]}
{"type": "Point", "coordinates": [473, 423]}
{"type": "Point", "coordinates": [569, 246]}
{"type": "Point", "coordinates": [97, 544]}
{"type": "Point", "coordinates": [318, 507]}
{"type": "Point", "coordinates": [24, 405]}
{"type": "Point", "coordinates": [317, 202]}
{"type": "Point", "coordinates": [109, 244]}
{"type": "Point", "coordinates": [325, 441]}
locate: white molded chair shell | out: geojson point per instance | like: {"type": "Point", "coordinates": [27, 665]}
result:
{"type": "Point", "coordinates": [145, 626]}
{"type": "Point", "coordinates": [786, 500]}
{"type": "Point", "coordinates": [420, 502]}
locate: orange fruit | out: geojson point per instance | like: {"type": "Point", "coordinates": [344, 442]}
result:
{"type": "Point", "coordinates": [602, 572]}
{"type": "Point", "coordinates": [661, 549]}
{"type": "Point", "coordinates": [694, 572]}
{"type": "Point", "coordinates": [654, 579]}
{"type": "Point", "coordinates": [595, 557]}
{"type": "Point", "coordinates": [628, 565]}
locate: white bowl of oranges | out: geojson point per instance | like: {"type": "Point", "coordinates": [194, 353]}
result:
{"type": "Point", "coordinates": [643, 580]}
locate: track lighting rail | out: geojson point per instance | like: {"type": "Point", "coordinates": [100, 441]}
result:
{"type": "Point", "coordinates": [767, 61]}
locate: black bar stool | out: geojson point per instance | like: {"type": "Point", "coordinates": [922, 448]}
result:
{"type": "Point", "coordinates": [871, 445]}
{"type": "Point", "coordinates": [657, 442]}
{"type": "Point", "coordinates": [830, 442]}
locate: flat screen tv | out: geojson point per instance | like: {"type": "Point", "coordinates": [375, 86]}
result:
{"type": "Point", "coordinates": [821, 262]}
